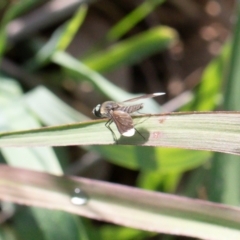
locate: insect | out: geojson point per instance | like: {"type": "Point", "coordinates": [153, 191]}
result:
{"type": "Point", "coordinates": [120, 114]}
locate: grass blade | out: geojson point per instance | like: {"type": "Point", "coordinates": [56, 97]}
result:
{"type": "Point", "coordinates": [132, 50]}
{"type": "Point", "coordinates": [224, 171]}
{"type": "Point", "coordinates": [122, 205]}
{"type": "Point", "coordinates": [212, 131]}
{"type": "Point", "coordinates": [53, 111]}
{"type": "Point", "coordinates": [81, 71]}
{"type": "Point", "coordinates": [132, 19]}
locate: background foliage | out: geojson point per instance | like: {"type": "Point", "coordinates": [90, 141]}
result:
{"type": "Point", "coordinates": [51, 54]}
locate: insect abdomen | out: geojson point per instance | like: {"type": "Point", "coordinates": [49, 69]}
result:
{"type": "Point", "coordinates": [131, 109]}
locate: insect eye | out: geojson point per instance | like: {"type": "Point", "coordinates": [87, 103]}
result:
{"type": "Point", "coordinates": [96, 111]}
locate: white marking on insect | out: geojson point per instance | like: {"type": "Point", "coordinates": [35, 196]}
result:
{"type": "Point", "coordinates": [129, 133]}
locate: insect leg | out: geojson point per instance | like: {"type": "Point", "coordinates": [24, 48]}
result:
{"type": "Point", "coordinates": [140, 134]}
{"type": "Point", "coordinates": [108, 123]}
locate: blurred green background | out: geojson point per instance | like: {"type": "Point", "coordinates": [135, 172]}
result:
{"type": "Point", "coordinates": [51, 52]}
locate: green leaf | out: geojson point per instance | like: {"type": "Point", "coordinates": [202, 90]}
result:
{"type": "Point", "coordinates": [134, 157]}
{"type": "Point", "coordinates": [208, 95]}
{"type": "Point", "coordinates": [224, 171]}
{"type": "Point", "coordinates": [128, 22]}
{"type": "Point", "coordinates": [156, 180]}
{"type": "Point", "coordinates": [59, 40]}
{"type": "Point", "coordinates": [10, 90]}
{"type": "Point", "coordinates": [13, 10]}
{"type": "Point", "coordinates": [72, 27]}
{"type": "Point", "coordinates": [16, 115]}
{"type": "Point", "coordinates": [171, 163]}
{"type": "Point", "coordinates": [119, 233]}
{"type": "Point", "coordinates": [132, 50]}
{"type": "Point", "coordinates": [81, 72]}
{"type": "Point", "coordinates": [197, 130]}
{"type": "Point", "coordinates": [54, 112]}
{"type": "Point", "coordinates": [40, 227]}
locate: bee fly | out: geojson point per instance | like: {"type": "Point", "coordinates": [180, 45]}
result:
{"type": "Point", "coordinates": [120, 114]}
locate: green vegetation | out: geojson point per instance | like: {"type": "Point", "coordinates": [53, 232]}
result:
{"type": "Point", "coordinates": [191, 153]}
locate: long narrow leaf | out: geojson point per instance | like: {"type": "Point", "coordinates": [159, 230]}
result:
{"type": "Point", "coordinates": [225, 168]}
{"type": "Point", "coordinates": [212, 131]}
{"type": "Point", "coordinates": [132, 50]}
{"type": "Point", "coordinates": [81, 71]}
{"type": "Point", "coordinates": [121, 205]}
{"type": "Point", "coordinates": [59, 40]}
{"type": "Point", "coordinates": [53, 111]}
{"type": "Point", "coordinates": [132, 19]}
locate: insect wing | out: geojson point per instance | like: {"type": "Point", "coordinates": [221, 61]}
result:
{"type": "Point", "coordinates": [123, 122]}
{"type": "Point", "coordinates": [152, 95]}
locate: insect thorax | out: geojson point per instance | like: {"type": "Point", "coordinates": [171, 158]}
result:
{"type": "Point", "coordinates": [106, 107]}
{"type": "Point", "coordinates": [131, 108]}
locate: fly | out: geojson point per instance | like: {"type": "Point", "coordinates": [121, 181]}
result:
{"type": "Point", "coordinates": [120, 114]}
